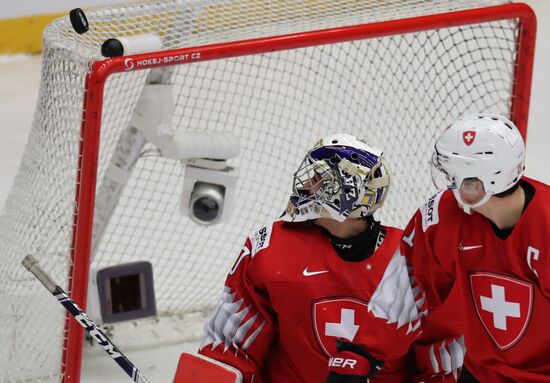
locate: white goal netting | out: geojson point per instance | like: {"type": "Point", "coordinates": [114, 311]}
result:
{"type": "Point", "coordinates": [397, 91]}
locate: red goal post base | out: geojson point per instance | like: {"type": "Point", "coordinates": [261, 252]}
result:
{"type": "Point", "coordinates": [193, 368]}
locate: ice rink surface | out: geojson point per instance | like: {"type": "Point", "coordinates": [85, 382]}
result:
{"type": "Point", "coordinates": [19, 80]}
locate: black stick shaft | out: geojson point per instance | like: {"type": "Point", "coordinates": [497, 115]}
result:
{"type": "Point", "coordinates": [95, 332]}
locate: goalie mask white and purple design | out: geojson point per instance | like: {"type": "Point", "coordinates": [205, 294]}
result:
{"type": "Point", "coordinates": [340, 177]}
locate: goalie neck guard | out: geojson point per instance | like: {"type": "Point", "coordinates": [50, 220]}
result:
{"type": "Point", "coordinates": [340, 177]}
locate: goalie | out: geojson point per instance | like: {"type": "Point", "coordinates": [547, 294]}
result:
{"type": "Point", "coordinates": [322, 294]}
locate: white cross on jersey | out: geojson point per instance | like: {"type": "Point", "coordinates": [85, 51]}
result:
{"type": "Point", "coordinates": [499, 307]}
{"type": "Point", "coordinates": [469, 137]}
{"type": "Point", "coordinates": [346, 328]}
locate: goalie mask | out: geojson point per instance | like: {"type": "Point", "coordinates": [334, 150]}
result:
{"type": "Point", "coordinates": [340, 177]}
{"type": "Point", "coordinates": [478, 156]}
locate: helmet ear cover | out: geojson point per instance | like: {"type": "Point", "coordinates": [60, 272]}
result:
{"type": "Point", "coordinates": [340, 177]}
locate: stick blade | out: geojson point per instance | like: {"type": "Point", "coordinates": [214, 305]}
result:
{"type": "Point", "coordinates": [201, 369]}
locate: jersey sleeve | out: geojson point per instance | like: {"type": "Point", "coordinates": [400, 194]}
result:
{"type": "Point", "coordinates": [243, 326]}
{"type": "Point", "coordinates": [439, 350]}
{"type": "Point", "coordinates": [395, 312]}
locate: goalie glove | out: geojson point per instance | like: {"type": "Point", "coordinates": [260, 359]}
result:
{"type": "Point", "coordinates": [352, 363]}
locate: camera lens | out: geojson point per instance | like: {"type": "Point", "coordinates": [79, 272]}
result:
{"type": "Point", "coordinates": [206, 203]}
{"type": "Point", "coordinates": [206, 209]}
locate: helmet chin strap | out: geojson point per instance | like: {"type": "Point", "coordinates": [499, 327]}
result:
{"type": "Point", "coordinates": [468, 207]}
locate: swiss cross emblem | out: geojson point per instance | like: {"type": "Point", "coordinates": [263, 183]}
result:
{"type": "Point", "coordinates": [335, 318]}
{"type": "Point", "coordinates": [468, 136]}
{"type": "Point", "coordinates": [504, 306]}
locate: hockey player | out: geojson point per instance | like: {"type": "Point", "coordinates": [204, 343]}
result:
{"type": "Point", "coordinates": [480, 248]}
{"type": "Point", "coordinates": [324, 291]}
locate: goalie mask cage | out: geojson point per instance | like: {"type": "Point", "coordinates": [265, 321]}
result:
{"type": "Point", "coordinates": [277, 74]}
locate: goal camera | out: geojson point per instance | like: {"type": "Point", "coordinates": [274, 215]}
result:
{"type": "Point", "coordinates": [210, 183]}
{"type": "Point", "coordinates": [208, 191]}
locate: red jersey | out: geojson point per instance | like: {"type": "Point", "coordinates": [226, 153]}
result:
{"type": "Point", "coordinates": [500, 288]}
{"type": "Point", "coordinates": [289, 296]}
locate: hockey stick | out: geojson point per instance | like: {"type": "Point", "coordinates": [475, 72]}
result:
{"type": "Point", "coordinates": [95, 332]}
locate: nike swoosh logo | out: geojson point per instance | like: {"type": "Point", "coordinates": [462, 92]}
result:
{"type": "Point", "coordinates": [465, 248]}
{"type": "Point", "coordinates": [311, 273]}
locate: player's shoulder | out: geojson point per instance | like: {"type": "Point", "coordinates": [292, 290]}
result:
{"type": "Point", "coordinates": [542, 190]}
{"type": "Point", "coordinates": [278, 235]}
{"type": "Point", "coordinates": [539, 185]}
{"type": "Point", "coordinates": [391, 236]}
{"type": "Point", "coordinates": [260, 238]}
{"type": "Point", "coordinates": [438, 208]}
{"type": "Point", "coordinates": [391, 230]}
{"type": "Point", "coordinates": [539, 207]}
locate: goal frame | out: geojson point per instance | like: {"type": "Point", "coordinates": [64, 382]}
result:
{"type": "Point", "coordinates": [99, 71]}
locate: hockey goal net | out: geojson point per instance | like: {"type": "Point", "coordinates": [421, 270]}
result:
{"type": "Point", "coordinates": [276, 74]}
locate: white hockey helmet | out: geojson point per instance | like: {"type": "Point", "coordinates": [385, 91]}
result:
{"type": "Point", "coordinates": [486, 147]}
{"type": "Point", "coordinates": [340, 177]}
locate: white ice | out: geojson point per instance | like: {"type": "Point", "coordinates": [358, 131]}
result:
{"type": "Point", "coordinates": [19, 80]}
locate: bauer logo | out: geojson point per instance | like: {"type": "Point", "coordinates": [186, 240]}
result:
{"type": "Point", "coordinates": [342, 362]}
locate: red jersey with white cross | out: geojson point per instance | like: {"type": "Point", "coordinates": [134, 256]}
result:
{"type": "Point", "coordinates": [289, 296]}
{"type": "Point", "coordinates": [500, 287]}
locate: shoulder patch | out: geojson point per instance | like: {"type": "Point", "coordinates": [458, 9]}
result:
{"type": "Point", "coordinates": [430, 211]}
{"type": "Point", "coordinates": [260, 239]}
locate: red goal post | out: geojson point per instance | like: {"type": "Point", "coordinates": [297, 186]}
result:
{"type": "Point", "coordinates": [506, 90]}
